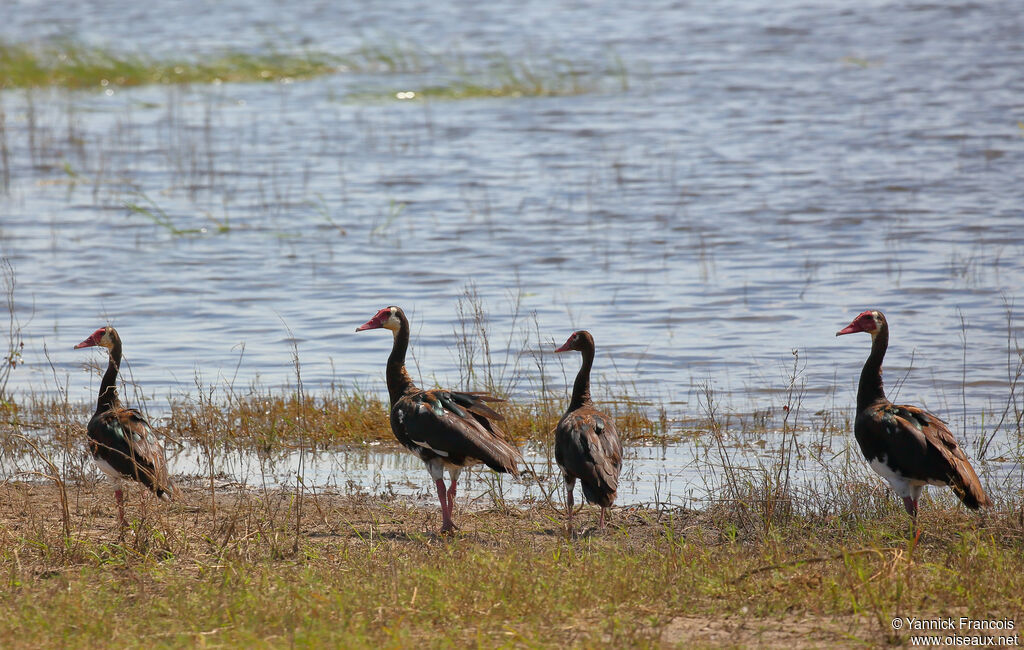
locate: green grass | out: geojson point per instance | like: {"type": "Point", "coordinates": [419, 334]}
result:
{"type": "Point", "coordinates": [68, 64]}
{"type": "Point", "coordinates": [72, 65]}
{"type": "Point", "coordinates": [368, 572]}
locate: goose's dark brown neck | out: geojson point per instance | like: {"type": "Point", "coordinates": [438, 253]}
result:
{"type": "Point", "coordinates": [398, 377]}
{"type": "Point", "coordinates": [870, 389]}
{"type": "Point", "coordinates": [581, 387]}
{"type": "Point", "coordinates": [108, 386]}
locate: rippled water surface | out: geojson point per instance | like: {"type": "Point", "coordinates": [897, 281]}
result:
{"type": "Point", "coordinates": [741, 180]}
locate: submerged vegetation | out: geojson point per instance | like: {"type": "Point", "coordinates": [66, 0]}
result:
{"type": "Point", "coordinates": [275, 422]}
{"type": "Point", "coordinates": [505, 78]}
{"type": "Point", "coordinates": [69, 64]}
{"type": "Point", "coordinates": [73, 65]}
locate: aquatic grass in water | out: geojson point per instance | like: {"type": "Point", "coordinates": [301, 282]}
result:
{"type": "Point", "coordinates": [275, 422]}
{"type": "Point", "coordinates": [503, 77]}
{"type": "Point", "coordinates": [12, 355]}
{"type": "Point", "coordinates": [72, 65]}
{"type": "Point", "coordinates": [391, 57]}
{"type": "Point", "coordinates": [159, 217]}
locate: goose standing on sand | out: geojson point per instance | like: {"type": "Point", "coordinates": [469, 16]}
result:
{"type": "Point", "coordinates": [446, 429]}
{"type": "Point", "coordinates": [587, 446]}
{"type": "Point", "coordinates": [121, 441]}
{"type": "Point", "coordinates": [906, 445]}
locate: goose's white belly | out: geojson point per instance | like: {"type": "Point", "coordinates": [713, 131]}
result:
{"type": "Point", "coordinates": [900, 484]}
{"type": "Point", "coordinates": [107, 468]}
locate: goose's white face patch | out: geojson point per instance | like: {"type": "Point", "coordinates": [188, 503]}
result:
{"type": "Point", "coordinates": [392, 323]}
{"type": "Point", "coordinates": [875, 316]}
